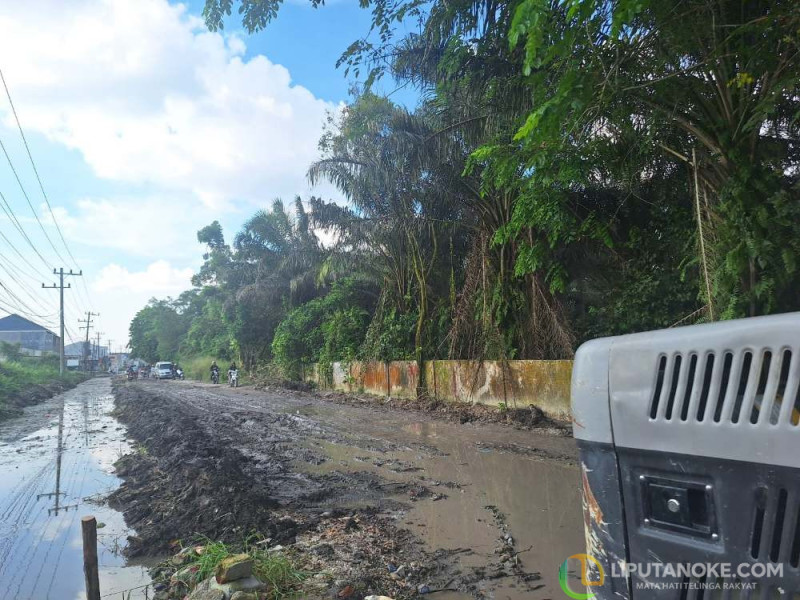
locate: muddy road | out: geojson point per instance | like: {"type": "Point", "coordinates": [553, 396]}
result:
{"type": "Point", "coordinates": [485, 510]}
{"type": "Point", "coordinates": [56, 462]}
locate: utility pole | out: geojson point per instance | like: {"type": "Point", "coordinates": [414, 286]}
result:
{"type": "Point", "coordinates": [97, 347]}
{"type": "Point", "coordinates": [88, 321]}
{"type": "Point", "coordinates": [109, 354]}
{"type": "Point", "coordinates": [60, 287]}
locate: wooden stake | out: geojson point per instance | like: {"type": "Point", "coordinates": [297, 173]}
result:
{"type": "Point", "coordinates": [90, 570]}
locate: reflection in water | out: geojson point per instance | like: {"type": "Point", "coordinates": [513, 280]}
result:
{"type": "Point", "coordinates": [59, 453]}
{"type": "Point", "coordinates": [54, 471]}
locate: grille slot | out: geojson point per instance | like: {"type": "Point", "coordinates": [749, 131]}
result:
{"type": "Point", "coordinates": [775, 535]}
{"type": "Point", "coordinates": [724, 384]}
{"type": "Point", "coordinates": [677, 375]}
{"type": "Point", "coordinates": [761, 396]}
{"type": "Point", "coordinates": [744, 377]}
{"type": "Point", "coordinates": [660, 372]}
{"type": "Point", "coordinates": [689, 386]}
{"type": "Point", "coordinates": [780, 392]}
{"type": "Point", "coordinates": [709, 370]}
{"type": "Point", "coordinates": [758, 522]}
{"type": "Point", "coordinates": [755, 387]}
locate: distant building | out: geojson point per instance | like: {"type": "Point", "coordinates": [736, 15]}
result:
{"type": "Point", "coordinates": [32, 338]}
{"type": "Point", "coordinates": [88, 356]}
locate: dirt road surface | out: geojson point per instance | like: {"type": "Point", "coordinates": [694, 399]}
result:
{"type": "Point", "coordinates": [499, 508]}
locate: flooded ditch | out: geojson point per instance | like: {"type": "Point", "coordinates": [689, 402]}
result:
{"type": "Point", "coordinates": [56, 466]}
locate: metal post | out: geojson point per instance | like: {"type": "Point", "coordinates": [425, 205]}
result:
{"type": "Point", "coordinates": [60, 286]}
{"type": "Point", "coordinates": [61, 343]}
{"type": "Point", "coordinates": [90, 569]}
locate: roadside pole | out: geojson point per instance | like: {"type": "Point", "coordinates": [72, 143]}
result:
{"type": "Point", "coordinates": [60, 286]}
{"type": "Point", "coordinates": [97, 349]}
{"type": "Point", "coordinates": [87, 327]}
{"type": "Point", "coordinates": [90, 569]}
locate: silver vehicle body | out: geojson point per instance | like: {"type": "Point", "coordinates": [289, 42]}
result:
{"type": "Point", "coordinates": [162, 370]}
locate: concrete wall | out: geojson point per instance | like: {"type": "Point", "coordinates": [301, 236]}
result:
{"type": "Point", "coordinates": [515, 383]}
{"type": "Point", "coordinates": [370, 377]}
{"type": "Point", "coordinates": [403, 379]}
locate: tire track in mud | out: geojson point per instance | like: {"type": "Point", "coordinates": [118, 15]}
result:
{"type": "Point", "coordinates": [221, 469]}
{"type": "Point", "coordinates": [224, 463]}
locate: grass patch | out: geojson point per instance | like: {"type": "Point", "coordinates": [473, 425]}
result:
{"type": "Point", "coordinates": [198, 368]}
{"type": "Point", "coordinates": [278, 570]}
{"type": "Point", "coordinates": [17, 377]}
{"type": "Point", "coordinates": [213, 554]}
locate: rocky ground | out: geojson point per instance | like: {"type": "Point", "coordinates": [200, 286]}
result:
{"type": "Point", "coordinates": [351, 491]}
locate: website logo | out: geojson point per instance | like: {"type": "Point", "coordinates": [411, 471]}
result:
{"type": "Point", "coordinates": [586, 564]}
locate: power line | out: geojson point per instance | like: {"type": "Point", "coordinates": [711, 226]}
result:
{"type": "Point", "coordinates": [8, 266]}
{"type": "Point", "coordinates": [28, 200]}
{"type": "Point", "coordinates": [35, 170]}
{"type": "Point", "coordinates": [10, 213]}
{"type": "Point", "coordinates": [88, 296]}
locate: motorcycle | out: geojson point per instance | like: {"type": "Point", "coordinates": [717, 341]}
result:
{"type": "Point", "coordinates": [131, 375]}
{"type": "Point", "coordinates": [233, 378]}
{"type": "Point", "coordinates": [179, 374]}
{"type": "Point", "coordinates": [215, 376]}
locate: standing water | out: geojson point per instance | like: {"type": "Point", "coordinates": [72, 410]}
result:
{"type": "Point", "coordinates": [56, 466]}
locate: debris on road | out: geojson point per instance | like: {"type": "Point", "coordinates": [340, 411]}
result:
{"type": "Point", "coordinates": [244, 475]}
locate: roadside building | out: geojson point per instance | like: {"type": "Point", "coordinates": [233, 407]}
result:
{"type": "Point", "coordinates": [85, 355]}
{"type": "Point", "coordinates": [33, 339]}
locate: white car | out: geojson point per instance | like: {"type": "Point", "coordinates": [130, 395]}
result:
{"type": "Point", "coordinates": [162, 370]}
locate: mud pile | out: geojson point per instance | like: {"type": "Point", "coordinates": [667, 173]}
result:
{"type": "Point", "coordinates": [198, 475]}
{"type": "Point", "coordinates": [183, 482]}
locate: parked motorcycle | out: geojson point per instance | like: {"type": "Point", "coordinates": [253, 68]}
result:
{"type": "Point", "coordinates": [233, 378]}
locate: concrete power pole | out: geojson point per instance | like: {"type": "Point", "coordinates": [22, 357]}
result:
{"type": "Point", "coordinates": [87, 327]}
{"type": "Point", "coordinates": [97, 346]}
{"type": "Point", "coordinates": [60, 287]}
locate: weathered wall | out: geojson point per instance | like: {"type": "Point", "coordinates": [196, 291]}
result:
{"type": "Point", "coordinates": [543, 383]}
{"type": "Point", "coordinates": [514, 383]}
{"type": "Point", "coordinates": [371, 377]}
{"type": "Point", "coordinates": [403, 378]}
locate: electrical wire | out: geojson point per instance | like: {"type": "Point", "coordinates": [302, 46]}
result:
{"type": "Point", "coordinates": [35, 170]}
{"type": "Point", "coordinates": [28, 200]}
{"type": "Point", "coordinates": [13, 217]}
{"type": "Point", "coordinates": [85, 289]}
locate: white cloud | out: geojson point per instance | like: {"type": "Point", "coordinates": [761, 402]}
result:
{"type": "Point", "coordinates": [118, 293]}
{"type": "Point", "coordinates": [158, 279]}
{"type": "Point", "coordinates": [149, 227]}
{"type": "Point", "coordinates": [147, 95]}
{"type": "Point", "coordinates": [187, 128]}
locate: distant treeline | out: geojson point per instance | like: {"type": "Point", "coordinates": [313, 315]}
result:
{"type": "Point", "coordinates": [576, 168]}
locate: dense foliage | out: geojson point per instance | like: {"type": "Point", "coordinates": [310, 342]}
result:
{"type": "Point", "coordinates": [573, 168]}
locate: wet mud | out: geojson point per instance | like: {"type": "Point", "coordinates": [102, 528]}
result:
{"type": "Point", "coordinates": [478, 509]}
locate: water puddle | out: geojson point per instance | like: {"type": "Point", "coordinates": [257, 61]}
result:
{"type": "Point", "coordinates": [56, 466]}
{"type": "Point", "coordinates": [486, 482]}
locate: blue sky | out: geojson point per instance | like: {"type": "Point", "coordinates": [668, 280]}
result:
{"type": "Point", "coordinates": [145, 127]}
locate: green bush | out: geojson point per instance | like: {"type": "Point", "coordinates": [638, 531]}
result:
{"type": "Point", "coordinates": [326, 329]}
